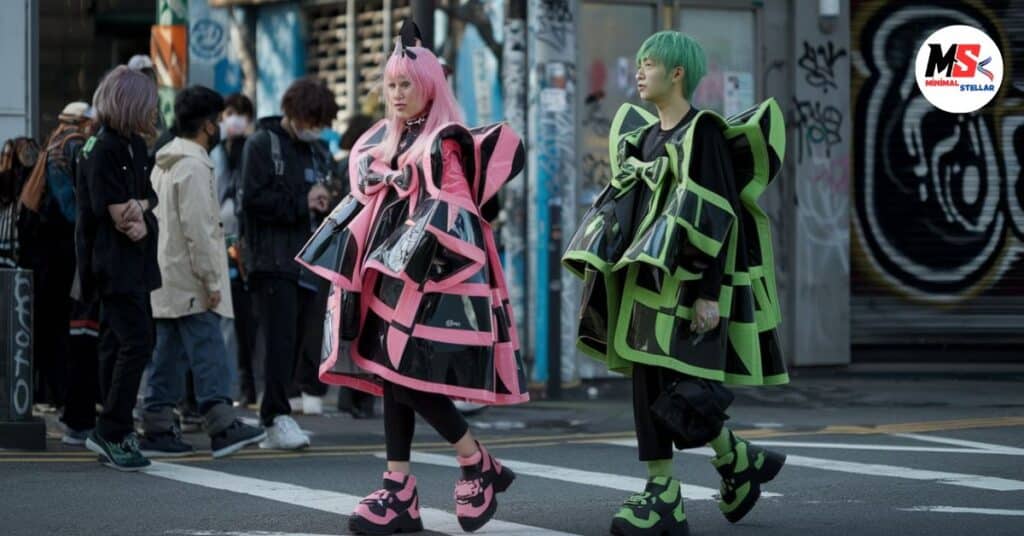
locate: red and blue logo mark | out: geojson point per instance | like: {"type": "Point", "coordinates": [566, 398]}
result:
{"type": "Point", "coordinates": [959, 61]}
{"type": "Point", "coordinates": [959, 69]}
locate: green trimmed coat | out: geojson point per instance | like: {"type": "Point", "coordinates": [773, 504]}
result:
{"type": "Point", "coordinates": [642, 246]}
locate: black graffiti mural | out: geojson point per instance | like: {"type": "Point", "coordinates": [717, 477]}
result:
{"type": "Point", "coordinates": [818, 64]}
{"type": "Point", "coordinates": [556, 24]}
{"type": "Point", "coordinates": [816, 125]}
{"type": "Point", "coordinates": [937, 196]}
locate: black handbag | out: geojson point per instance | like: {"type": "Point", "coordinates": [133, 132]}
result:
{"type": "Point", "coordinates": [692, 410]}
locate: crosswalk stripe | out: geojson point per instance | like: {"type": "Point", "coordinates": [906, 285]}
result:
{"type": "Point", "coordinates": [875, 469]}
{"type": "Point", "coordinates": [323, 500]}
{"type": "Point", "coordinates": [174, 532]}
{"type": "Point", "coordinates": [962, 510]}
{"type": "Point", "coordinates": [890, 448]}
{"type": "Point", "coordinates": [575, 476]}
{"type": "Point", "coordinates": [985, 448]}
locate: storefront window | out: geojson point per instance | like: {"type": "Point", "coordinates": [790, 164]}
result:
{"type": "Point", "coordinates": [727, 36]}
{"type": "Point", "coordinates": [609, 38]}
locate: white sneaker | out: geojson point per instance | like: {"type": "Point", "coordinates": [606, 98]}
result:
{"type": "Point", "coordinates": [285, 434]}
{"type": "Point", "coordinates": [312, 405]}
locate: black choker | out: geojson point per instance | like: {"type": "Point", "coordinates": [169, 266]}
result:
{"type": "Point", "coordinates": [416, 122]}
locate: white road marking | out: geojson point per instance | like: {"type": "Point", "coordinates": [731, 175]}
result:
{"type": "Point", "coordinates": [575, 476]}
{"type": "Point", "coordinates": [323, 500]}
{"type": "Point", "coordinates": [986, 447]}
{"type": "Point", "coordinates": [874, 469]}
{"type": "Point", "coordinates": [238, 533]}
{"type": "Point", "coordinates": [961, 510]}
{"type": "Point", "coordinates": [890, 448]}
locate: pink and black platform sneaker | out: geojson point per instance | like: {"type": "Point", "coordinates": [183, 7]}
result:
{"type": "Point", "coordinates": [394, 508]}
{"type": "Point", "coordinates": [482, 478]}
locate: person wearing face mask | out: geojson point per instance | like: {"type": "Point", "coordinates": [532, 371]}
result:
{"type": "Point", "coordinates": [285, 169]}
{"type": "Point", "coordinates": [196, 292]}
{"type": "Point", "coordinates": [240, 332]}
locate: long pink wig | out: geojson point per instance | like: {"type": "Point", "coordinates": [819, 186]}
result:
{"type": "Point", "coordinates": [427, 77]}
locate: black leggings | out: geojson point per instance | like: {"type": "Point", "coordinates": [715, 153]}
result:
{"type": "Point", "coordinates": [400, 407]}
{"type": "Point", "coordinates": [653, 441]}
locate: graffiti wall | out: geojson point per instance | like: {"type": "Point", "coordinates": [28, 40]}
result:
{"type": "Point", "coordinates": [819, 146]}
{"type": "Point", "coordinates": [551, 169]}
{"type": "Point", "coordinates": [938, 199]}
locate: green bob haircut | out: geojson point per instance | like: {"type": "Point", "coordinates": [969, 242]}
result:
{"type": "Point", "coordinates": [674, 49]}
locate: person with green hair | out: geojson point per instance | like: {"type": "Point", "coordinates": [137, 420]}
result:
{"type": "Point", "coordinates": [679, 285]}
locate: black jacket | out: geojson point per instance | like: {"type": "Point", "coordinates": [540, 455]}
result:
{"type": "Point", "coordinates": [275, 209]}
{"type": "Point", "coordinates": [113, 169]}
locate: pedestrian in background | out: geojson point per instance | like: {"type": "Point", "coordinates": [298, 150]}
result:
{"type": "Point", "coordinates": [47, 241]}
{"type": "Point", "coordinates": [116, 241]}
{"type": "Point", "coordinates": [283, 167]}
{"type": "Point", "coordinates": [239, 333]}
{"type": "Point", "coordinates": [196, 292]}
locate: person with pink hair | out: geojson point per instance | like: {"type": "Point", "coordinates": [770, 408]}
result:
{"type": "Point", "coordinates": [418, 310]}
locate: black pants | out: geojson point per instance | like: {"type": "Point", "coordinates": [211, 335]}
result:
{"type": "Point", "coordinates": [277, 306]}
{"type": "Point", "coordinates": [400, 407]}
{"type": "Point", "coordinates": [700, 418]}
{"type": "Point", "coordinates": [311, 341]}
{"type": "Point", "coordinates": [83, 385]}
{"type": "Point", "coordinates": [125, 348]}
{"type": "Point", "coordinates": [653, 441]}
{"type": "Point", "coordinates": [245, 335]}
{"type": "Point", "coordinates": [52, 286]}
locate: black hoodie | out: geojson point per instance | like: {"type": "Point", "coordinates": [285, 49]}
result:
{"type": "Point", "coordinates": [275, 210]}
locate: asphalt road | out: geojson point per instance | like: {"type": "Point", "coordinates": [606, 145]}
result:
{"type": "Point", "coordinates": [867, 455]}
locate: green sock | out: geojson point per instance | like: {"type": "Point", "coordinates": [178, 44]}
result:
{"type": "Point", "coordinates": [659, 468]}
{"type": "Point", "coordinates": [723, 443]}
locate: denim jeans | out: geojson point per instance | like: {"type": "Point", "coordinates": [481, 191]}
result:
{"type": "Point", "coordinates": [195, 342]}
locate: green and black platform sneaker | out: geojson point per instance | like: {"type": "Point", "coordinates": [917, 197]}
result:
{"type": "Point", "coordinates": [743, 471]}
{"type": "Point", "coordinates": [658, 511]}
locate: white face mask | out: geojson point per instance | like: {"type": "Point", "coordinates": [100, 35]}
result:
{"type": "Point", "coordinates": [223, 130]}
{"type": "Point", "coordinates": [236, 125]}
{"type": "Point", "coordinates": [308, 135]}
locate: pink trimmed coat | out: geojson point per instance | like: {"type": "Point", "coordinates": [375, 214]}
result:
{"type": "Point", "coordinates": [418, 296]}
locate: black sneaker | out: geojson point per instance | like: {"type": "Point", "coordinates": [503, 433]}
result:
{"type": "Point", "coordinates": [657, 511]}
{"type": "Point", "coordinates": [235, 438]}
{"type": "Point", "coordinates": [165, 445]}
{"type": "Point", "coordinates": [123, 456]}
{"type": "Point", "coordinates": [743, 470]}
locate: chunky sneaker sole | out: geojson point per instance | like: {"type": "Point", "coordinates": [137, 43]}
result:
{"type": "Point", "coordinates": [773, 463]}
{"type": "Point", "coordinates": [657, 511]}
{"type": "Point", "coordinates": [392, 509]}
{"type": "Point", "coordinates": [484, 477]}
{"type": "Point", "coordinates": [404, 523]}
{"type": "Point", "coordinates": [743, 469]}
{"type": "Point", "coordinates": [104, 458]}
{"type": "Point", "coordinates": [623, 528]}
{"type": "Point", "coordinates": [500, 483]}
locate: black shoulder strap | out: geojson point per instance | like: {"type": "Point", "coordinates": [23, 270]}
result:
{"type": "Point", "coordinates": [275, 154]}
